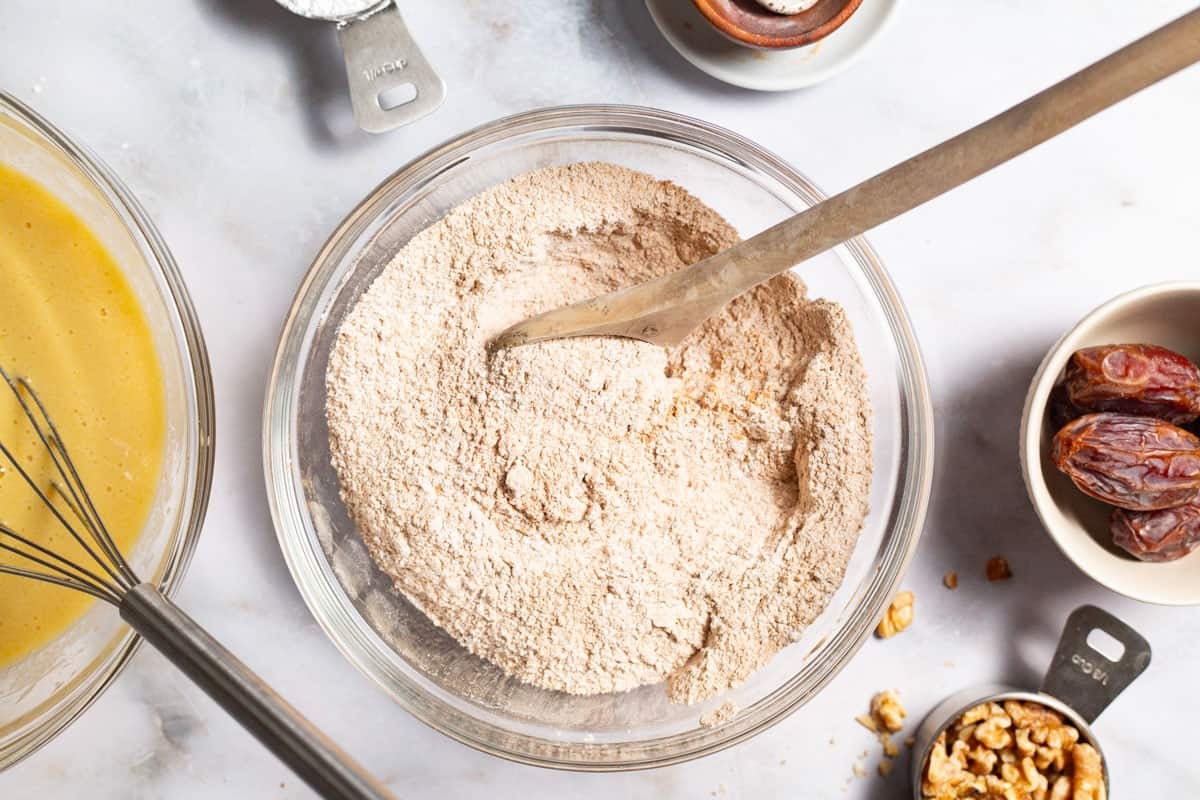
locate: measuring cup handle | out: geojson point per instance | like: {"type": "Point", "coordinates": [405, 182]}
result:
{"type": "Point", "coordinates": [382, 59]}
{"type": "Point", "coordinates": [1085, 679]}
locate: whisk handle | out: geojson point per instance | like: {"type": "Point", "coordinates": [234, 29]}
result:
{"type": "Point", "coordinates": [267, 716]}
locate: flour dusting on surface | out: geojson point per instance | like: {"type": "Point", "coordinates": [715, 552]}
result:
{"type": "Point", "coordinates": [596, 514]}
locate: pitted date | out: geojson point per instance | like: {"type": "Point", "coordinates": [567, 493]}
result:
{"type": "Point", "coordinates": [1136, 463]}
{"type": "Point", "coordinates": [1165, 535]}
{"type": "Point", "coordinates": [1142, 379]}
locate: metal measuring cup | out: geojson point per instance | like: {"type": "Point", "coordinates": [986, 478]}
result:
{"type": "Point", "coordinates": [1080, 683]}
{"type": "Point", "coordinates": [382, 60]}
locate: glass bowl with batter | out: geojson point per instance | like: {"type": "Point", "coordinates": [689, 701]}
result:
{"type": "Point", "coordinates": [122, 272]}
{"type": "Point", "coordinates": [419, 665]}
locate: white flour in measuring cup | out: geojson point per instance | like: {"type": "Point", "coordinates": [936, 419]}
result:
{"type": "Point", "coordinates": [327, 9]}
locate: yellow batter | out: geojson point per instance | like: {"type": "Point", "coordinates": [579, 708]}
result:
{"type": "Point", "coordinates": [71, 324]}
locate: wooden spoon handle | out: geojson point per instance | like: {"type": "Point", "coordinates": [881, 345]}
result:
{"type": "Point", "coordinates": [956, 161]}
{"type": "Point", "coordinates": [666, 309]}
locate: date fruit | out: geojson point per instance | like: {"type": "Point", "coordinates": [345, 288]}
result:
{"type": "Point", "coordinates": [1142, 379]}
{"type": "Point", "coordinates": [1158, 536]}
{"type": "Point", "coordinates": [1136, 463]}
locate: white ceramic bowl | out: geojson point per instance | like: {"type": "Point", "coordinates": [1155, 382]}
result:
{"type": "Point", "coordinates": [1165, 314]}
{"type": "Point", "coordinates": [686, 29]}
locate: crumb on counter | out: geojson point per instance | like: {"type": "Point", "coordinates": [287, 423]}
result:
{"type": "Point", "coordinates": [951, 580]}
{"type": "Point", "coordinates": [998, 569]}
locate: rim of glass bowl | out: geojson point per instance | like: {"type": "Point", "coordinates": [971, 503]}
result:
{"type": "Point", "coordinates": [323, 593]}
{"type": "Point", "coordinates": [80, 693]}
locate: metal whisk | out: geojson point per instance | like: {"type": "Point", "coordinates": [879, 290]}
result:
{"type": "Point", "coordinates": [105, 574]}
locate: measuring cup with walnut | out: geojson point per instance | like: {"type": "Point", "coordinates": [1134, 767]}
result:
{"type": "Point", "coordinates": [1080, 683]}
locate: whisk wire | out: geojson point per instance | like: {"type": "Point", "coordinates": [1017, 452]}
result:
{"type": "Point", "coordinates": [77, 499]}
{"type": "Point", "coordinates": [64, 494]}
{"type": "Point", "coordinates": [72, 575]}
{"type": "Point", "coordinates": [83, 507]}
{"type": "Point", "coordinates": [47, 433]}
{"type": "Point", "coordinates": [46, 501]}
{"type": "Point", "coordinates": [67, 584]}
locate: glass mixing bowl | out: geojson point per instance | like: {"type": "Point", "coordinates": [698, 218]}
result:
{"type": "Point", "coordinates": [419, 665]}
{"type": "Point", "coordinates": [43, 692]}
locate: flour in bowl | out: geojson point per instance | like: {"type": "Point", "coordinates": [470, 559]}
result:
{"type": "Point", "coordinates": [596, 514]}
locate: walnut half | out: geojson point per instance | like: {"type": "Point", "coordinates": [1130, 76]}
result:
{"type": "Point", "coordinates": [887, 712]}
{"type": "Point", "coordinates": [898, 616]}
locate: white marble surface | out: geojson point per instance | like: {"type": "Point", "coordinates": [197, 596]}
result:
{"type": "Point", "coordinates": [229, 119]}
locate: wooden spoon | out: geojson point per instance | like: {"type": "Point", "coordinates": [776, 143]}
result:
{"type": "Point", "coordinates": [665, 310]}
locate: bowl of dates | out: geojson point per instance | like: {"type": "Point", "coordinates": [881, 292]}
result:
{"type": "Point", "coordinates": [1110, 444]}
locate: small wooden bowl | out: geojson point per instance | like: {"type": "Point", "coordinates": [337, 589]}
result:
{"type": "Point", "coordinates": [748, 23]}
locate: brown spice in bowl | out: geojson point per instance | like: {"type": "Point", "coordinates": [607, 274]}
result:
{"type": "Point", "coordinates": [749, 23]}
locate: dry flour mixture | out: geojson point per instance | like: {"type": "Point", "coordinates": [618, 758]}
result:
{"type": "Point", "coordinates": [596, 514]}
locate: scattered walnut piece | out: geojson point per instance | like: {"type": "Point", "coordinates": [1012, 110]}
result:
{"type": "Point", "coordinates": [998, 569]}
{"type": "Point", "coordinates": [898, 616]}
{"type": "Point", "coordinates": [1014, 751]}
{"type": "Point", "coordinates": [886, 717]}
{"type": "Point", "coordinates": [950, 579]}
{"type": "Point", "coordinates": [887, 712]}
